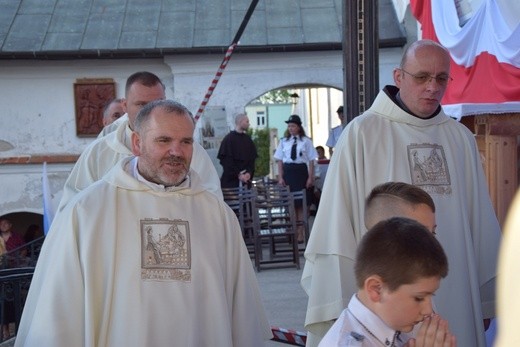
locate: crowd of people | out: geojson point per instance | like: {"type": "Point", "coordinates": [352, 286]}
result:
{"type": "Point", "coordinates": [142, 231]}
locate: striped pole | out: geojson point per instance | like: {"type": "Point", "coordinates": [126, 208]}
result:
{"type": "Point", "coordinates": [224, 63]}
{"type": "Point", "coordinates": [289, 336]}
{"type": "Point", "coordinates": [211, 88]}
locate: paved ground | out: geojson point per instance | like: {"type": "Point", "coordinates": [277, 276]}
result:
{"type": "Point", "coordinates": [284, 299]}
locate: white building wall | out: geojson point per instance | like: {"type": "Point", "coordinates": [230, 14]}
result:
{"type": "Point", "coordinates": [248, 76]}
{"type": "Point", "coordinates": [37, 115]}
{"type": "Point", "coordinates": [38, 102]}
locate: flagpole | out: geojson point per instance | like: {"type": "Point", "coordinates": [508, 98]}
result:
{"type": "Point", "coordinates": [48, 210]}
{"type": "Point", "coordinates": [225, 61]}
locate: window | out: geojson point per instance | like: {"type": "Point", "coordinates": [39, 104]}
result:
{"type": "Point", "coordinates": [260, 119]}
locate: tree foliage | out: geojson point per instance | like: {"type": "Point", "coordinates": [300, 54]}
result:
{"type": "Point", "coordinates": [262, 142]}
{"type": "Point", "coordinates": [279, 96]}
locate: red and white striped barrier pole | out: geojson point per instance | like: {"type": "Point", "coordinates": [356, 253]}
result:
{"type": "Point", "coordinates": [229, 51]}
{"type": "Point", "coordinates": [211, 88]}
{"type": "Point", "coordinates": [288, 336]}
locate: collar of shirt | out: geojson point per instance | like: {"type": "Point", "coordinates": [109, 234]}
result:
{"type": "Point", "coordinates": [394, 94]}
{"type": "Point", "coordinates": [157, 187]}
{"type": "Point", "coordinates": [369, 320]}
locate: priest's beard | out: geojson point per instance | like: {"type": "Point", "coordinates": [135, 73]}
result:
{"type": "Point", "coordinates": [169, 171]}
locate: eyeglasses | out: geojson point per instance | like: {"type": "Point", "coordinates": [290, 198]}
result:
{"type": "Point", "coordinates": [422, 78]}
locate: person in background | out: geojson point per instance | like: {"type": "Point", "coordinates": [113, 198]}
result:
{"type": "Point", "coordinates": [320, 172]}
{"type": "Point", "coordinates": [172, 267]}
{"type": "Point", "coordinates": [399, 266]}
{"type": "Point", "coordinates": [3, 250]}
{"type": "Point", "coordinates": [11, 240]}
{"type": "Point", "coordinates": [295, 157]}
{"type": "Point", "coordinates": [102, 154]}
{"type": "Point", "coordinates": [405, 136]}
{"type": "Point", "coordinates": [237, 155]}
{"type": "Point", "coordinates": [112, 111]}
{"type": "Point", "coordinates": [321, 153]}
{"type": "Point", "coordinates": [335, 132]}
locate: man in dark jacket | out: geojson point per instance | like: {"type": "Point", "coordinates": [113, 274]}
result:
{"type": "Point", "coordinates": [237, 155]}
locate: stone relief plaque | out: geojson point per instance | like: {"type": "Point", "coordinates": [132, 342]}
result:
{"type": "Point", "coordinates": [90, 97]}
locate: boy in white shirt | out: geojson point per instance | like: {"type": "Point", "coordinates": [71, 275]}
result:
{"type": "Point", "coordinates": [399, 265]}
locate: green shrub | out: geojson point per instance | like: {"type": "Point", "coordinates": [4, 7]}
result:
{"type": "Point", "coordinates": [262, 142]}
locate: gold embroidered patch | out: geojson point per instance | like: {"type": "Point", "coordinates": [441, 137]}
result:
{"type": "Point", "coordinates": [429, 168]}
{"type": "Point", "coordinates": [165, 250]}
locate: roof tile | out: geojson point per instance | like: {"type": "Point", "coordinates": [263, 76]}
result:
{"type": "Point", "coordinates": [27, 33]}
{"type": "Point", "coordinates": [71, 27]}
{"type": "Point", "coordinates": [176, 29]}
{"type": "Point", "coordinates": [103, 31]}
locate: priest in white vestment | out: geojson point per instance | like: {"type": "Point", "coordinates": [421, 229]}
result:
{"type": "Point", "coordinates": [405, 136]}
{"type": "Point", "coordinates": [146, 256]}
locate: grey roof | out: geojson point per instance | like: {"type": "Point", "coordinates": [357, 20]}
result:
{"type": "Point", "coordinates": [135, 28]}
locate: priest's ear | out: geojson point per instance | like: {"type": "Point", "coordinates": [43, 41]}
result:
{"type": "Point", "coordinates": [398, 75]}
{"type": "Point", "coordinates": [136, 143]}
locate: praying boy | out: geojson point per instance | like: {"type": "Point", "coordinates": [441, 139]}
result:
{"type": "Point", "coordinates": [398, 268]}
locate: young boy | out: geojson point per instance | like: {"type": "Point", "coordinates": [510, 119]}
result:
{"type": "Point", "coordinates": [399, 199]}
{"type": "Point", "coordinates": [399, 265]}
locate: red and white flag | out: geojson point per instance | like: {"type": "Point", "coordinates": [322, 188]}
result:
{"type": "Point", "coordinates": [485, 54]}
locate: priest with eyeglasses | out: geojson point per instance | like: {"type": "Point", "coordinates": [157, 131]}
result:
{"type": "Point", "coordinates": [406, 136]}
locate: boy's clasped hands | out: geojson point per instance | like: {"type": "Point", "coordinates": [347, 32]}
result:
{"type": "Point", "coordinates": [434, 332]}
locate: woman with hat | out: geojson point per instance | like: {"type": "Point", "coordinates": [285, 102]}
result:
{"type": "Point", "coordinates": [295, 157]}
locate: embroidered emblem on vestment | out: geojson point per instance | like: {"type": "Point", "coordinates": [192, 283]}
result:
{"type": "Point", "coordinates": [165, 250]}
{"type": "Point", "coordinates": [429, 168]}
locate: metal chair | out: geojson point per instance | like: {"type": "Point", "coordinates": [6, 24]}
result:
{"type": "Point", "coordinates": [264, 187]}
{"type": "Point", "coordinates": [276, 227]}
{"type": "Point", "coordinates": [240, 200]}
